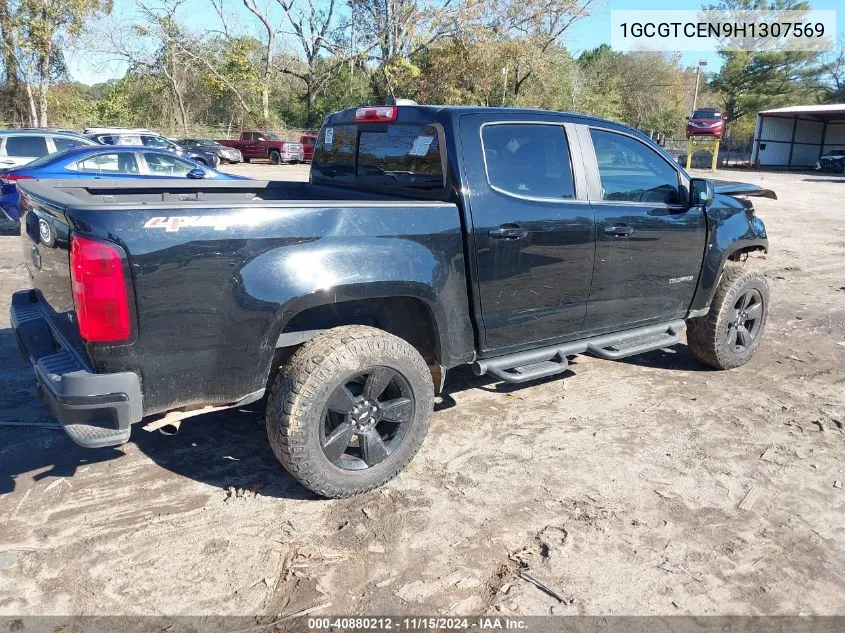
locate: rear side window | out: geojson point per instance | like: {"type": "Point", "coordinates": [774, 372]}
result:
{"type": "Point", "coordinates": [528, 160]}
{"type": "Point", "coordinates": [630, 171]}
{"type": "Point", "coordinates": [393, 155]}
{"type": "Point", "coordinates": [166, 165]}
{"type": "Point", "coordinates": [123, 163]}
{"type": "Point", "coordinates": [26, 146]}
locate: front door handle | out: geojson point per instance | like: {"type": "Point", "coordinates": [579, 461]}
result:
{"type": "Point", "coordinates": [507, 232]}
{"type": "Point", "coordinates": [619, 230]}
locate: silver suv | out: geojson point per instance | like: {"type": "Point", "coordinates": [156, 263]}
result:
{"type": "Point", "coordinates": [19, 147]}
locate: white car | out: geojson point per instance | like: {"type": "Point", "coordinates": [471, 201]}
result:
{"type": "Point", "coordinates": [21, 147]}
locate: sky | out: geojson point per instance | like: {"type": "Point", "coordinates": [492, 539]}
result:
{"type": "Point", "coordinates": [586, 34]}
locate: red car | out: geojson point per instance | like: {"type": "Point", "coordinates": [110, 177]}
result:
{"type": "Point", "coordinates": [706, 122]}
{"type": "Point", "coordinates": [308, 141]}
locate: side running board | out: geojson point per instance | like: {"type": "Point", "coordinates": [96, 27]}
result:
{"type": "Point", "coordinates": [547, 361]}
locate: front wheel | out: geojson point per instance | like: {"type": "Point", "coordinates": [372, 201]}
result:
{"type": "Point", "coordinates": [729, 335]}
{"type": "Point", "coordinates": [349, 410]}
{"type": "Point", "coordinates": [275, 158]}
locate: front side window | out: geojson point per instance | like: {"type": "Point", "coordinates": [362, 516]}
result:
{"type": "Point", "coordinates": [112, 164]}
{"type": "Point", "coordinates": [166, 165]}
{"type": "Point", "coordinates": [26, 146]}
{"type": "Point", "coordinates": [528, 160]}
{"type": "Point", "coordinates": [630, 171]}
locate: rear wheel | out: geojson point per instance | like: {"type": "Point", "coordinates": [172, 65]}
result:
{"type": "Point", "coordinates": [275, 158]}
{"type": "Point", "coordinates": [349, 410]}
{"type": "Point", "coordinates": [729, 335]}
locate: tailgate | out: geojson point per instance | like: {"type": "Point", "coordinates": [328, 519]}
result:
{"type": "Point", "coordinates": [44, 236]}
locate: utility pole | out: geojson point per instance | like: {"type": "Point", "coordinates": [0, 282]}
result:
{"type": "Point", "coordinates": [701, 62]}
{"type": "Point", "coordinates": [504, 84]}
{"type": "Point", "coordinates": [351, 42]}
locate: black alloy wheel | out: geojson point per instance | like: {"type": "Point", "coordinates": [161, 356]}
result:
{"type": "Point", "coordinates": [366, 418]}
{"type": "Point", "coordinates": [744, 323]}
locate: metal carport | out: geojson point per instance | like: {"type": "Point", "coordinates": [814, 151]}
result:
{"type": "Point", "coordinates": [794, 137]}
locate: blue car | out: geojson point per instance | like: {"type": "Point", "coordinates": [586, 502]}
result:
{"type": "Point", "coordinates": [100, 161]}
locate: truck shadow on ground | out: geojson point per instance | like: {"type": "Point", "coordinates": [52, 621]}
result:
{"type": "Point", "coordinates": [226, 449]}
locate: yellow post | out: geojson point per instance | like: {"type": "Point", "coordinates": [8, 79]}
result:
{"type": "Point", "coordinates": [715, 160]}
{"type": "Point", "coordinates": [690, 146]}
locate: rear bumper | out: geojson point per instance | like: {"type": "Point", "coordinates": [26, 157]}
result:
{"type": "Point", "coordinates": [95, 409]}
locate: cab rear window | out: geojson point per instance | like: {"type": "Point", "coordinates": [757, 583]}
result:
{"type": "Point", "coordinates": [381, 156]}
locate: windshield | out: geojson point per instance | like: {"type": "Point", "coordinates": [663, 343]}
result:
{"type": "Point", "coordinates": [273, 137]}
{"type": "Point", "coordinates": [706, 114]}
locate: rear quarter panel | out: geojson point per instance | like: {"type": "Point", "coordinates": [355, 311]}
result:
{"type": "Point", "coordinates": [215, 286]}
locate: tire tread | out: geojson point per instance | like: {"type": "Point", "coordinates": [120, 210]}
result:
{"type": "Point", "coordinates": [292, 397]}
{"type": "Point", "coordinates": [702, 332]}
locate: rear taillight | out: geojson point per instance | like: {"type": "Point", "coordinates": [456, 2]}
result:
{"type": "Point", "coordinates": [99, 291]}
{"type": "Point", "coordinates": [14, 177]}
{"type": "Point", "coordinates": [376, 114]}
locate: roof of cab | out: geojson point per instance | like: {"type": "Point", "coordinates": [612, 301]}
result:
{"type": "Point", "coordinates": [429, 113]}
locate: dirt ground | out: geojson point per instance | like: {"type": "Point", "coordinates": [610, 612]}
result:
{"type": "Point", "coordinates": [618, 486]}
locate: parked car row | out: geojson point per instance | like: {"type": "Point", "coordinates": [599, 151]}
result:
{"type": "Point", "coordinates": [131, 153]}
{"type": "Point", "coordinates": [101, 153]}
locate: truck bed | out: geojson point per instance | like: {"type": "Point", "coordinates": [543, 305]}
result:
{"type": "Point", "coordinates": [218, 270]}
{"type": "Point", "coordinates": [109, 193]}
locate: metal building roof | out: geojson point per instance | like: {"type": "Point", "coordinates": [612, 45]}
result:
{"type": "Point", "coordinates": [822, 112]}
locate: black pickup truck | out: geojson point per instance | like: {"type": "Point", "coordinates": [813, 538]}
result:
{"type": "Point", "coordinates": [427, 238]}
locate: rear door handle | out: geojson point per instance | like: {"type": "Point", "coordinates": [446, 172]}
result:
{"type": "Point", "coordinates": [619, 230]}
{"type": "Point", "coordinates": [507, 232]}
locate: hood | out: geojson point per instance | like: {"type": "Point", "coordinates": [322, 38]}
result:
{"type": "Point", "coordinates": [742, 189]}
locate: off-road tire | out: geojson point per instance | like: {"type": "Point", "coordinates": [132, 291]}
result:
{"type": "Point", "coordinates": [707, 336]}
{"type": "Point", "coordinates": [297, 400]}
{"type": "Point", "coordinates": [275, 158]}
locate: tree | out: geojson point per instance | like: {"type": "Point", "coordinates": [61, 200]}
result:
{"type": "Point", "coordinates": [537, 26]}
{"type": "Point", "coordinates": [33, 36]}
{"type": "Point", "coordinates": [749, 82]}
{"type": "Point", "coordinates": [169, 57]}
{"type": "Point", "coordinates": [395, 31]}
{"type": "Point", "coordinates": [832, 76]}
{"type": "Point", "coordinates": [313, 28]}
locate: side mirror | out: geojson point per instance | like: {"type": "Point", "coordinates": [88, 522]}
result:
{"type": "Point", "coordinates": [196, 174]}
{"type": "Point", "coordinates": [700, 192]}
